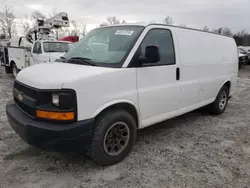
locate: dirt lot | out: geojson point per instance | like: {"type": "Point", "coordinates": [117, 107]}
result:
{"type": "Point", "coordinates": [194, 150]}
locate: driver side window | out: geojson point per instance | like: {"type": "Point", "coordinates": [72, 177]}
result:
{"type": "Point", "coordinates": [162, 38]}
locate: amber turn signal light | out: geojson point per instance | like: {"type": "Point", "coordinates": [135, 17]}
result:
{"type": "Point", "coordinates": [55, 115]}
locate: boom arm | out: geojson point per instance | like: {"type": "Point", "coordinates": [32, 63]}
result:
{"type": "Point", "coordinates": [44, 27]}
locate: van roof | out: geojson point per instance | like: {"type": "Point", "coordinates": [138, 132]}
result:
{"type": "Point", "coordinates": [161, 24]}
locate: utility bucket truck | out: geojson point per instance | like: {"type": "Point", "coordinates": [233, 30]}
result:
{"type": "Point", "coordinates": [22, 52]}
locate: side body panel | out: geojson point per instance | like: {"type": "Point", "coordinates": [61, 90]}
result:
{"type": "Point", "coordinates": [207, 62]}
{"type": "Point", "coordinates": [17, 55]}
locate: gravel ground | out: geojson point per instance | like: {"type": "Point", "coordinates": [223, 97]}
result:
{"type": "Point", "coordinates": [194, 150]}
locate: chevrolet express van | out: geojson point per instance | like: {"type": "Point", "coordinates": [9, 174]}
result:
{"type": "Point", "coordinates": [119, 79]}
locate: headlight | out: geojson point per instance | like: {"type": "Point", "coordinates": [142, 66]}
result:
{"type": "Point", "coordinates": [57, 105]}
{"type": "Point", "coordinates": [55, 99]}
{"type": "Point", "coordinates": [63, 100]}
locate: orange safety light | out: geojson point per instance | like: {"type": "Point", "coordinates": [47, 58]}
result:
{"type": "Point", "coordinates": [55, 115]}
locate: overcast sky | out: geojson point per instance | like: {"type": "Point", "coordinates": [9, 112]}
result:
{"type": "Point", "coordinates": [234, 14]}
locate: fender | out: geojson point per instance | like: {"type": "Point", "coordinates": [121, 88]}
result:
{"type": "Point", "coordinates": [225, 83]}
{"type": "Point", "coordinates": [119, 101]}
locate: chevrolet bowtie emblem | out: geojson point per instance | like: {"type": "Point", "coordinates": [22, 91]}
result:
{"type": "Point", "coordinates": [20, 97]}
{"type": "Point", "coordinates": [18, 94]}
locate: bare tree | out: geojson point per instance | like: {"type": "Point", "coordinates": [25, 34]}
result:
{"type": "Point", "coordinates": [223, 31]}
{"type": "Point", "coordinates": [26, 24]}
{"type": "Point", "coordinates": [112, 20]}
{"type": "Point", "coordinates": [76, 29]}
{"type": "Point", "coordinates": [7, 18]}
{"type": "Point", "coordinates": [168, 20]}
{"type": "Point", "coordinates": [79, 29]}
{"type": "Point", "coordinates": [242, 33]}
{"type": "Point", "coordinates": [219, 30]}
{"type": "Point", "coordinates": [227, 32]}
{"type": "Point", "coordinates": [205, 28]}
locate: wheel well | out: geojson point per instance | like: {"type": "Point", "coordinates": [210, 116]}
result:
{"type": "Point", "coordinates": [228, 85]}
{"type": "Point", "coordinates": [125, 106]}
{"type": "Point", "coordinates": [12, 63]}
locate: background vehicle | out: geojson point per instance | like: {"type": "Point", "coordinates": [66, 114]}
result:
{"type": "Point", "coordinates": [42, 51]}
{"type": "Point", "coordinates": [69, 38]}
{"type": "Point", "coordinates": [244, 57]}
{"type": "Point", "coordinates": [22, 52]}
{"type": "Point", "coordinates": [99, 97]}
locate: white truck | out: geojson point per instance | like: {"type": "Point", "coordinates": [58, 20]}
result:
{"type": "Point", "coordinates": [18, 57]}
{"type": "Point", "coordinates": [97, 98]}
{"type": "Point", "coordinates": [22, 52]}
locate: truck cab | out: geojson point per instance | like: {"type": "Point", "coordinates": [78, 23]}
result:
{"type": "Point", "coordinates": [43, 51]}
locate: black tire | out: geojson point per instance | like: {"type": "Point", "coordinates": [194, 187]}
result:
{"type": "Point", "coordinates": [8, 70]}
{"type": "Point", "coordinates": [103, 125]}
{"type": "Point", "coordinates": [14, 70]}
{"type": "Point", "coordinates": [218, 107]}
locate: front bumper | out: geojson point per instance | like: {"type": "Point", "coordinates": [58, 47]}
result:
{"type": "Point", "coordinates": [50, 136]}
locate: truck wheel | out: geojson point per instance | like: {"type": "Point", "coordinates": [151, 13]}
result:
{"type": "Point", "coordinates": [113, 138]}
{"type": "Point", "coordinates": [14, 70]}
{"type": "Point", "coordinates": [8, 70]}
{"type": "Point", "coordinates": [220, 103]}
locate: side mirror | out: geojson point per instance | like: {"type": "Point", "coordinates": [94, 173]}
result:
{"type": "Point", "coordinates": [152, 55]}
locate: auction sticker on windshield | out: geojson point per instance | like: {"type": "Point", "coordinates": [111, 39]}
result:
{"type": "Point", "coordinates": [124, 32]}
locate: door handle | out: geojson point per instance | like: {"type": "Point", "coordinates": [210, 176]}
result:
{"type": "Point", "coordinates": [177, 73]}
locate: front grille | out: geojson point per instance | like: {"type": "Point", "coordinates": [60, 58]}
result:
{"type": "Point", "coordinates": [25, 108]}
{"type": "Point", "coordinates": [27, 91]}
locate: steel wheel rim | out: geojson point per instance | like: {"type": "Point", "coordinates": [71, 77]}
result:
{"type": "Point", "coordinates": [116, 138]}
{"type": "Point", "coordinates": [223, 100]}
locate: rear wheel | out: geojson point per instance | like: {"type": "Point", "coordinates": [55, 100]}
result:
{"type": "Point", "coordinates": [14, 70]}
{"type": "Point", "coordinates": [220, 103]}
{"type": "Point", "coordinates": [114, 137]}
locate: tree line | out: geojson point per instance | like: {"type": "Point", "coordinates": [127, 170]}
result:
{"type": "Point", "coordinates": [242, 38]}
{"type": "Point", "coordinates": [8, 25]}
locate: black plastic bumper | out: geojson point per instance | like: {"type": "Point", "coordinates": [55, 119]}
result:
{"type": "Point", "coordinates": [50, 136]}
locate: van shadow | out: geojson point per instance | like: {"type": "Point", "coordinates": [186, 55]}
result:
{"type": "Point", "coordinates": [52, 161]}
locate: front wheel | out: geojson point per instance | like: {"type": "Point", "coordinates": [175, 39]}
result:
{"type": "Point", "coordinates": [220, 103]}
{"type": "Point", "coordinates": [114, 137]}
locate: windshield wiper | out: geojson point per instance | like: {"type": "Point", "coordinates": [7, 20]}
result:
{"type": "Point", "coordinates": [83, 60]}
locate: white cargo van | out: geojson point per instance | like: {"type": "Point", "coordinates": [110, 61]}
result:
{"type": "Point", "coordinates": [97, 97]}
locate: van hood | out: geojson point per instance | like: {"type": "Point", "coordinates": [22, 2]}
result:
{"type": "Point", "coordinates": [54, 75]}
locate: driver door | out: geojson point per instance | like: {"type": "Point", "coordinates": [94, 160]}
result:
{"type": "Point", "coordinates": [37, 55]}
{"type": "Point", "coordinates": [158, 83]}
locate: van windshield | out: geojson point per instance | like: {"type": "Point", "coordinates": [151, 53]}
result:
{"type": "Point", "coordinates": [107, 46]}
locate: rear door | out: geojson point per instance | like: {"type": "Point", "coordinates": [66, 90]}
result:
{"type": "Point", "coordinates": [158, 83]}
